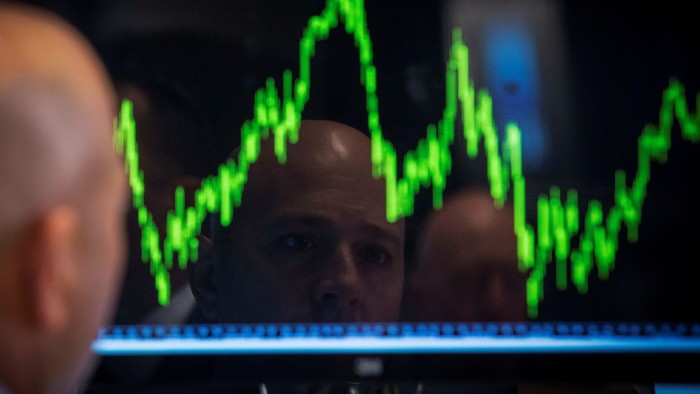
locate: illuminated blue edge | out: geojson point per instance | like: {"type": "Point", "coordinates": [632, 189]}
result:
{"type": "Point", "coordinates": [404, 345]}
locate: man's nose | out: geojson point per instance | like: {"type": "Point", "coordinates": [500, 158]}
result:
{"type": "Point", "coordinates": [338, 289]}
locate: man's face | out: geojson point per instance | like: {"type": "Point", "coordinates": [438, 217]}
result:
{"type": "Point", "coordinates": [467, 265]}
{"type": "Point", "coordinates": [311, 243]}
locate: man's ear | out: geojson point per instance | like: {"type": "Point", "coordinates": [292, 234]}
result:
{"type": "Point", "coordinates": [202, 279]}
{"type": "Point", "coordinates": [50, 268]}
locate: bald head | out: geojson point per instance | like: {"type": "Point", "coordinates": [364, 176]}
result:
{"type": "Point", "coordinates": [326, 151]}
{"type": "Point", "coordinates": [467, 263]}
{"type": "Point", "coordinates": [55, 113]}
{"type": "Point", "coordinates": [310, 241]}
{"type": "Point", "coordinates": [39, 45]}
{"type": "Point", "coordinates": [62, 193]}
{"type": "Point", "coordinates": [322, 143]}
{"type": "Point", "coordinates": [470, 226]}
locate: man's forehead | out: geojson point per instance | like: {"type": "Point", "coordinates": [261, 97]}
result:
{"type": "Point", "coordinates": [335, 197]}
{"type": "Point", "coordinates": [295, 187]}
{"type": "Point", "coordinates": [320, 142]}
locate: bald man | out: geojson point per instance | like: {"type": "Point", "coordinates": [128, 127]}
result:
{"type": "Point", "coordinates": [310, 241]}
{"type": "Point", "coordinates": [466, 266]}
{"type": "Point", "coordinates": [62, 196]}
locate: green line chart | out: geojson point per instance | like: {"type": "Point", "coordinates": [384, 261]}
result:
{"type": "Point", "coordinates": [576, 240]}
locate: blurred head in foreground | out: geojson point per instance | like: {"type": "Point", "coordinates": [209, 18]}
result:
{"type": "Point", "coordinates": [62, 202]}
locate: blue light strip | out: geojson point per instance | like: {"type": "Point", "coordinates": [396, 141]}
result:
{"type": "Point", "coordinates": [241, 346]}
{"type": "Point", "coordinates": [261, 342]}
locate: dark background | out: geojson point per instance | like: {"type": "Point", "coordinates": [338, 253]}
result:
{"type": "Point", "coordinates": [204, 61]}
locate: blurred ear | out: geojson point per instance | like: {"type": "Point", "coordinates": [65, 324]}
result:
{"type": "Point", "coordinates": [202, 280]}
{"type": "Point", "coordinates": [50, 267]}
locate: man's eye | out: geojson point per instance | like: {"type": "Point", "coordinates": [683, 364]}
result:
{"type": "Point", "coordinates": [376, 255]}
{"type": "Point", "coordinates": [298, 243]}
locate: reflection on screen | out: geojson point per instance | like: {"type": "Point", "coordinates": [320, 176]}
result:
{"type": "Point", "coordinates": [539, 157]}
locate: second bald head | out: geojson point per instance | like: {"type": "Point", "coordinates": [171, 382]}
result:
{"type": "Point", "coordinates": [325, 149]}
{"type": "Point", "coordinates": [310, 241]}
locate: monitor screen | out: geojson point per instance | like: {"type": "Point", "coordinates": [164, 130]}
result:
{"type": "Point", "coordinates": [536, 166]}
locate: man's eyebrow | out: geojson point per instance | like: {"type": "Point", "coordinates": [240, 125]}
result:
{"type": "Point", "coordinates": [312, 220]}
{"type": "Point", "coordinates": [378, 231]}
{"type": "Point", "coordinates": [298, 219]}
